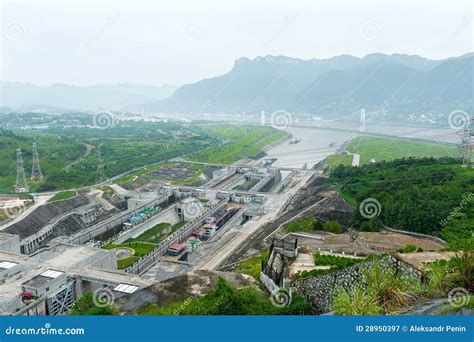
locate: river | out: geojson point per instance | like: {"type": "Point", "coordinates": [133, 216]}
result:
{"type": "Point", "coordinates": [315, 145]}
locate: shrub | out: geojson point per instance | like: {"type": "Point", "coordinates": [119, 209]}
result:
{"type": "Point", "coordinates": [333, 227]}
{"type": "Point", "coordinates": [333, 260]}
{"type": "Point", "coordinates": [410, 249]}
{"type": "Point", "coordinates": [438, 278]}
{"type": "Point", "coordinates": [355, 302]}
{"type": "Point", "coordinates": [390, 290]}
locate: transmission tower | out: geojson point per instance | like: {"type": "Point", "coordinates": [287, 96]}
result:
{"type": "Point", "coordinates": [466, 144]}
{"type": "Point", "coordinates": [21, 185]}
{"type": "Point", "coordinates": [36, 174]}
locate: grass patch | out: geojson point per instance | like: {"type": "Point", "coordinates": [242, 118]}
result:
{"type": "Point", "coordinates": [240, 142]}
{"type": "Point", "coordinates": [336, 262]}
{"type": "Point", "coordinates": [156, 234]}
{"type": "Point", "coordinates": [133, 176]}
{"type": "Point", "coordinates": [387, 149]}
{"type": "Point", "coordinates": [140, 248]}
{"type": "Point", "coordinates": [311, 224]}
{"type": "Point", "coordinates": [60, 196]}
{"type": "Point", "coordinates": [338, 159]}
{"type": "Point", "coordinates": [108, 192]}
{"type": "Point", "coordinates": [140, 172]}
{"type": "Point", "coordinates": [252, 266]}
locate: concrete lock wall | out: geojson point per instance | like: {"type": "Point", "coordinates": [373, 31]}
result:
{"type": "Point", "coordinates": [9, 243]}
{"type": "Point", "coordinates": [110, 223]}
{"type": "Point", "coordinates": [320, 290]}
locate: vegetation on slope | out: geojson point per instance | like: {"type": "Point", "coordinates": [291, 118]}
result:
{"type": "Point", "coordinates": [226, 299]}
{"type": "Point", "coordinates": [86, 306]}
{"type": "Point", "coordinates": [252, 266]}
{"type": "Point", "coordinates": [70, 157]}
{"type": "Point", "coordinates": [311, 224]}
{"type": "Point", "coordinates": [427, 195]}
{"type": "Point", "coordinates": [239, 142]}
{"type": "Point", "coordinates": [60, 196]}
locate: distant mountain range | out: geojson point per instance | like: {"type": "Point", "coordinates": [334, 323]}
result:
{"type": "Point", "coordinates": [398, 86]}
{"type": "Point", "coordinates": [401, 84]}
{"type": "Point", "coordinates": [16, 95]}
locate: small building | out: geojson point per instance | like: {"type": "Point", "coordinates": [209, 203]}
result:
{"type": "Point", "coordinates": [176, 249]}
{"type": "Point", "coordinates": [45, 282]}
{"type": "Point", "coordinates": [9, 268]}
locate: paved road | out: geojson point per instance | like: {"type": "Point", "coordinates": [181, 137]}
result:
{"type": "Point", "coordinates": [39, 200]}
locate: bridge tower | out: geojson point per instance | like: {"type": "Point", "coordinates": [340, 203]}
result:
{"type": "Point", "coordinates": [262, 118]}
{"type": "Point", "coordinates": [36, 174]}
{"type": "Point", "coordinates": [362, 120]}
{"type": "Point", "coordinates": [21, 185]}
{"type": "Point", "coordinates": [467, 144]}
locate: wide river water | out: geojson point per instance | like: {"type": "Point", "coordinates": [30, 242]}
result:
{"type": "Point", "coordinates": [315, 145]}
{"type": "Point", "coordinates": [318, 143]}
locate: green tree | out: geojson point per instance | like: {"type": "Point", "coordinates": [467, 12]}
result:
{"type": "Point", "coordinates": [333, 227]}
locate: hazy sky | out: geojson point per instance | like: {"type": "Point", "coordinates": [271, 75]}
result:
{"type": "Point", "coordinates": [176, 42]}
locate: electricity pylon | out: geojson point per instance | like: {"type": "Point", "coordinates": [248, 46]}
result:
{"type": "Point", "coordinates": [21, 185]}
{"type": "Point", "coordinates": [36, 174]}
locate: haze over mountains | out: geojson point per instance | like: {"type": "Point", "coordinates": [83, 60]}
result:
{"type": "Point", "coordinates": [101, 96]}
{"type": "Point", "coordinates": [332, 86]}
{"type": "Point", "coordinates": [402, 84]}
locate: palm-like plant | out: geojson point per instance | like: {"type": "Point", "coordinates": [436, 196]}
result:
{"type": "Point", "coordinates": [438, 283]}
{"type": "Point", "coordinates": [355, 301]}
{"type": "Point", "coordinates": [390, 290]}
